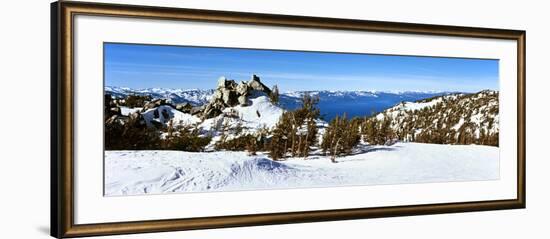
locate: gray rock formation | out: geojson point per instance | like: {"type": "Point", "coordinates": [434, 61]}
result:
{"type": "Point", "coordinates": [185, 107]}
{"type": "Point", "coordinates": [197, 110]}
{"type": "Point", "coordinates": [225, 83]}
{"type": "Point", "coordinates": [242, 88]}
{"type": "Point", "coordinates": [243, 100]}
{"type": "Point", "coordinates": [135, 118]}
{"type": "Point", "coordinates": [154, 104]}
{"type": "Point", "coordinates": [228, 94]}
{"type": "Point", "coordinates": [255, 84]}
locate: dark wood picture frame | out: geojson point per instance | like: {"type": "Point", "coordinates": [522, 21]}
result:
{"type": "Point", "coordinates": [62, 96]}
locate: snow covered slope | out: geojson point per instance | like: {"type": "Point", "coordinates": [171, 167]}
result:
{"type": "Point", "coordinates": [165, 113]}
{"type": "Point", "coordinates": [454, 118]}
{"type": "Point", "coordinates": [261, 113]}
{"type": "Point", "coordinates": [155, 172]}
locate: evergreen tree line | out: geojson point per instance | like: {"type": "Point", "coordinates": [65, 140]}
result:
{"type": "Point", "coordinates": [296, 132]}
{"type": "Point", "coordinates": [377, 132]}
{"type": "Point", "coordinates": [251, 142]}
{"type": "Point", "coordinates": [134, 135]}
{"type": "Point", "coordinates": [458, 119]}
{"type": "Point", "coordinates": [341, 136]}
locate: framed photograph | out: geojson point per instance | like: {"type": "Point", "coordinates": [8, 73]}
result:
{"type": "Point", "coordinates": [170, 119]}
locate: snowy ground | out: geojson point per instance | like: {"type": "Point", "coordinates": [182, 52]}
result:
{"type": "Point", "coordinates": [155, 172]}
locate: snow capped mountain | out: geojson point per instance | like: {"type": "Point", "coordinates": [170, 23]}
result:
{"type": "Point", "coordinates": [455, 118]}
{"type": "Point", "coordinates": [176, 96]}
{"type": "Point", "coordinates": [331, 103]}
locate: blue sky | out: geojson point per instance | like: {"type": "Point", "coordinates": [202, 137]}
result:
{"type": "Point", "coordinates": [154, 66]}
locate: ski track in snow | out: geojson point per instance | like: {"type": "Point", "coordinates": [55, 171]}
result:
{"type": "Point", "coordinates": [158, 172]}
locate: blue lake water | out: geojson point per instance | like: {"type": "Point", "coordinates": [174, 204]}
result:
{"type": "Point", "coordinates": [353, 104]}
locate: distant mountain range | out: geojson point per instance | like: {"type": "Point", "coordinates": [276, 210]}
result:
{"type": "Point", "coordinates": [177, 96]}
{"type": "Point", "coordinates": [331, 103]}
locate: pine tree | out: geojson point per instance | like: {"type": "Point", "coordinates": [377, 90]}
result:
{"type": "Point", "coordinates": [295, 136]}
{"type": "Point", "coordinates": [341, 136]}
{"type": "Point", "coordinates": [335, 138]}
{"type": "Point", "coordinates": [239, 127]}
{"type": "Point", "coordinates": [224, 130]}
{"type": "Point", "coordinates": [278, 145]}
{"type": "Point", "coordinates": [131, 135]}
{"type": "Point", "coordinates": [252, 146]}
{"type": "Point", "coordinates": [296, 131]}
{"type": "Point", "coordinates": [369, 130]}
{"type": "Point", "coordinates": [311, 137]}
{"type": "Point", "coordinates": [274, 96]}
{"type": "Point", "coordinates": [185, 138]}
{"type": "Point", "coordinates": [353, 134]}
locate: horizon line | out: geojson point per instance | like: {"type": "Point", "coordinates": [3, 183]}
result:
{"type": "Point", "coordinates": [294, 91]}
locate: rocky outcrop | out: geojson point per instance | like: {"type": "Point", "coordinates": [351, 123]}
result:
{"type": "Point", "coordinates": [197, 110]}
{"type": "Point", "coordinates": [154, 104]}
{"type": "Point", "coordinates": [255, 84]}
{"type": "Point", "coordinates": [135, 118]}
{"type": "Point", "coordinates": [185, 107]}
{"type": "Point", "coordinates": [110, 109]}
{"type": "Point", "coordinates": [229, 93]}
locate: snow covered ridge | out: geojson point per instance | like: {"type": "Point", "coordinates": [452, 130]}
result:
{"type": "Point", "coordinates": [451, 119]}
